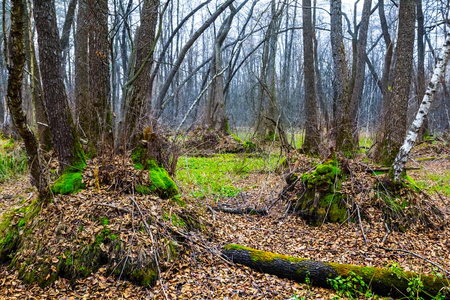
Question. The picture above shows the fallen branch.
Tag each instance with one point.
(241, 211)
(381, 281)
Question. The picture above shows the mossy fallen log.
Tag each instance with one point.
(384, 282)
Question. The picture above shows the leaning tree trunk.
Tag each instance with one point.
(138, 94)
(422, 113)
(43, 130)
(64, 135)
(14, 98)
(381, 281)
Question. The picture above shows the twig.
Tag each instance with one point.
(360, 224)
(113, 206)
(440, 196)
(417, 255)
(386, 235)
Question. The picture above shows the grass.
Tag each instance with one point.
(218, 176)
(439, 182)
(13, 159)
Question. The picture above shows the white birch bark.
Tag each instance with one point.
(422, 113)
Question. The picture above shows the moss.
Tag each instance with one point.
(324, 175)
(10, 228)
(161, 183)
(322, 200)
(175, 219)
(263, 256)
(71, 180)
(145, 277)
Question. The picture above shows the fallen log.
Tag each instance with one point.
(384, 282)
(241, 211)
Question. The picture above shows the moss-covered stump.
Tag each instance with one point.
(385, 282)
(71, 180)
(160, 181)
(78, 234)
(320, 199)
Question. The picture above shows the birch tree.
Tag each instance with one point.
(422, 113)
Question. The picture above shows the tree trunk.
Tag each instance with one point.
(421, 63)
(43, 129)
(100, 133)
(342, 132)
(64, 135)
(139, 95)
(215, 117)
(68, 21)
(382, 281)
(395, 117)
(422, 113)
(82, 106)
(360, 71)
(15, 98)
(312, 137)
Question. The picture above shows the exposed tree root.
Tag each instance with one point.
(385, 282)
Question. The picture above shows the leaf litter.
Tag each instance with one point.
(200, 272)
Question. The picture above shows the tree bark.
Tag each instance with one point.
(395, 117)
(100, 133)
(342, 131)
(68, 21)
(421, 63)
(138, 99)
(215, 117)
(43, 129)
(422, 113)
(312, 136)
(64, 135)
(360, 71)
(382, 281)
(14, 98)
(82, 106)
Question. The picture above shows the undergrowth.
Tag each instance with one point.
(218, 176)
(436, 182)
(13, 159)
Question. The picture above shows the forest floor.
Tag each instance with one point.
(202, 274)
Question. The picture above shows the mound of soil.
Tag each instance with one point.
(341, 190)
(107, 225)
(205, 142)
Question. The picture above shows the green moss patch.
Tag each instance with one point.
(68, 183)
(321, 200)
(161, 183)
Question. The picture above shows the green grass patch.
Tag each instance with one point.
(435, 182)
(218, 175)
(13, 159)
